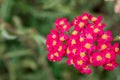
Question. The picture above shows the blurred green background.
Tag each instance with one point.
(24, 25)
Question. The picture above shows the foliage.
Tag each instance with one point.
(24, 25)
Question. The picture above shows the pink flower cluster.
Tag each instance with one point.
(84, 42)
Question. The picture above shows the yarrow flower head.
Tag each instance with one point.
(84, 42)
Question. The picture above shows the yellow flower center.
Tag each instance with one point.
(81, 24)
(116, 49)
(64, 27)
(87, 45)
(99, 24)
(74, 51)
(54, 36)
(84, 18)
(74, 32)
(81, 39)
(80, 62)
(73, 42)
(60, 48)
(56, 54)
(54, 43)
(109, 64)
(61, 22)
(103, 47)
(62, 38)
(82, 54)
(108, 55)
(68, 51)
(99, 58)
(93, 19)
(96, 30)
(104, 36)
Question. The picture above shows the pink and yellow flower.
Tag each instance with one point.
(62, 24)
(86, 44)
(97, 59)
(110, 66)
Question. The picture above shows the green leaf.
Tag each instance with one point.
(17, 53)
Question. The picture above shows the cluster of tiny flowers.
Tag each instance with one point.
(84, 42)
